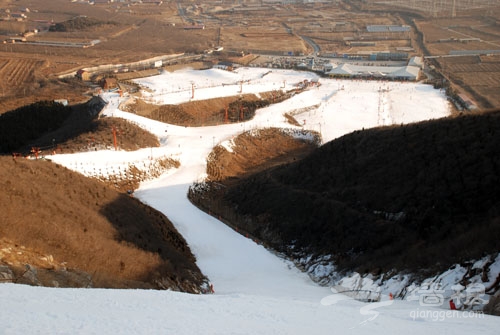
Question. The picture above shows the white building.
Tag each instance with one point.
(408, 72)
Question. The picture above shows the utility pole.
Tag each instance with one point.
(115, 143)
(36, 151)
(218, 38)
(241, 113)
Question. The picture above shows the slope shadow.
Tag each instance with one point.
(45, 124)
(78, 122)
(419, 196)
(149, 230)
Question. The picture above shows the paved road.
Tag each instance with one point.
(313, 44)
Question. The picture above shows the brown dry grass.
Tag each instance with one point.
(193, 113)
(99, 135)
(255, 151)
(100, 236)
(262, 38)
(36, 125)
(88, 226)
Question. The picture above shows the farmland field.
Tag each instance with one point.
(123, 32)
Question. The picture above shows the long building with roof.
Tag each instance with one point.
(346, 70)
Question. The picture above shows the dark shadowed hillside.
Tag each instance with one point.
(51, 126)
(421, 196)
(25, 124)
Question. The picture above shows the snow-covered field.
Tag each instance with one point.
(255, 291)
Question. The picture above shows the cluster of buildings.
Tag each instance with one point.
(348, 67)
(20, 15)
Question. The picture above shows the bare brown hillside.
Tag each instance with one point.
(99, 135)
(58, 220)
(254, 151)
(208, 112)
(52, 127)
(60, 228)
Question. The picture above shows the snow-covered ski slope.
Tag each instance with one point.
(255, 291)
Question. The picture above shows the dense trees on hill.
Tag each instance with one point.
(78, 23)
(418, 196)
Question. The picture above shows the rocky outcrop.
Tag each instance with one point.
(20, 265)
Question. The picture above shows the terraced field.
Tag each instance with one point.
(481, 75)
(16, 74)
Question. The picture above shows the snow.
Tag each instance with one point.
(256, 292)
(98, 311)
(228, 145)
